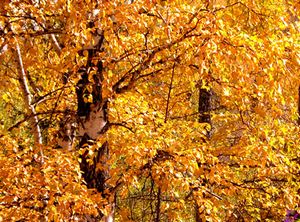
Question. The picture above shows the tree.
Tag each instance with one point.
(149, 110)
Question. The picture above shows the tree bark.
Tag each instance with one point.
(92, 123)
(204, 109)
(204, 106)
(157, 212)
(91, 120)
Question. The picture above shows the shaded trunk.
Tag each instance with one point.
(157, 213)
(92, 123)
(204, 106)
(204, 110)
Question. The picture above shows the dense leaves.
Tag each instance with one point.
(153, 110)
(33, 191)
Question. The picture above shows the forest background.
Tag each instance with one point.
(149, 110)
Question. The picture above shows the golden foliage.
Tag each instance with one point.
(156, 56)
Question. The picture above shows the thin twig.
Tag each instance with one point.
(123, 125)
(56, 44)
(169, 93)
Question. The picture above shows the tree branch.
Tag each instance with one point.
(28, 100)
(169, 93)
(131, 76)
(56, 44)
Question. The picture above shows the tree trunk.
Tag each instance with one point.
(92, 115)
(92, 123)
(204, 109)
(204, 106)
(91, 119)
